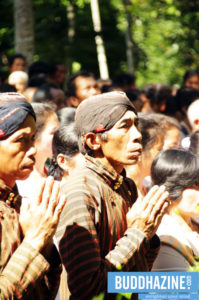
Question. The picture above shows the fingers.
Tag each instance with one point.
(48, 188)
(59, 207)
(39, 192)
(149, 196)
(54, 198)
(156, 195)
(160, 207)
(159, 216)
(25, 205)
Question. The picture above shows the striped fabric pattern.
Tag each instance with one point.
(24, 272)
(92, 233)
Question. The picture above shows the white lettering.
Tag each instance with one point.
(118, 282)
(163, 282)
(174, 282)
(133, 282)
(149, 282)
(126, 282)
(141, 282)
(156, 284)
(182, 282)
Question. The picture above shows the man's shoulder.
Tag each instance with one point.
(83, 179)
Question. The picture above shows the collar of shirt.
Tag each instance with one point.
(10, 196)
(110, 176)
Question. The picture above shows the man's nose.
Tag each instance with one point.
(136, 134)
(32, 151)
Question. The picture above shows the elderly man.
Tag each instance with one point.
(29, 264)
(98, 230)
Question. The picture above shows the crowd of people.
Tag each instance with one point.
(95, 176)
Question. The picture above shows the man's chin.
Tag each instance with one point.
(25, 174)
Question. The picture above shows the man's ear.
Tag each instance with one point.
(92, 141)
(73, 101)
(63, 163)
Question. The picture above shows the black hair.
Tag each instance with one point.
(53, 67)
(65, 141)
(15, 56)
(66, 115)
(124, 79)
(43, 92)
(5, 88)
(134, 97)
(38, 69)
(176, 170)
(194, 143)
(71, 86)
(185, 96)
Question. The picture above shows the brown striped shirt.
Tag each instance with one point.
(24, 272)
(92, 233)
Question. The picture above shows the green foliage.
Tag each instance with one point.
(164, 33)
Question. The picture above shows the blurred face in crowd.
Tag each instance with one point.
(43, 142)
(18, 153)
(86, 87)
(60, 74)
(18, 65)
(149, 155)
(192, 82)
(172, 138)
(58, 98)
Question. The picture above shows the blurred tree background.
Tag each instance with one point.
(164, 36)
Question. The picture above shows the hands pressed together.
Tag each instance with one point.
(147, 212)
(40, 215)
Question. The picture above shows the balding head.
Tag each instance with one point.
(193, 115)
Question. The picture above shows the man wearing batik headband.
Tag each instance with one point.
(30, 264)
(99, 229)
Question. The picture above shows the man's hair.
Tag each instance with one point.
(17, 76)
(66, 115)
(71, 85)
(15, 56)
(38, 69)
(176, 170)
(43, 93)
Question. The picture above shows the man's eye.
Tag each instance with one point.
(21, 139)
(125, 125)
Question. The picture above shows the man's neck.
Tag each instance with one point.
(9, 183)
(117, 167)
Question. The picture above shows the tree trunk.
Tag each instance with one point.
(128, 37)
(101, 55)
(70, 12)
(24, 29)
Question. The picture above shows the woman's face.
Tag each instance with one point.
(149, 155)
(44, 141)
(172, 138)
(189, 203)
